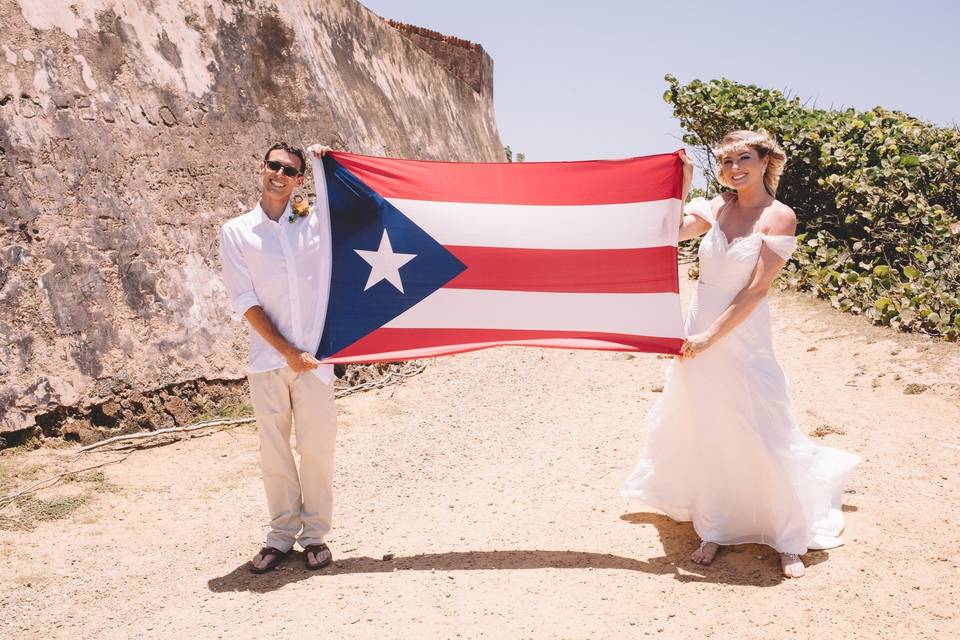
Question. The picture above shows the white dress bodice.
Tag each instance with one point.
(730, 265)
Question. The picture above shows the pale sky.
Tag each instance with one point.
(584, 79)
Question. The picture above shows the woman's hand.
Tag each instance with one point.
(695, 344)
(318, 150)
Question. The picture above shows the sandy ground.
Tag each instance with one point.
(492, 477)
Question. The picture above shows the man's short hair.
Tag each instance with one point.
(289, 148)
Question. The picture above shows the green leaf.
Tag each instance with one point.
(882, 303)
(909, 161)
(911, 272)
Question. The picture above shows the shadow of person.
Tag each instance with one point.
(678, 539)
(292, 570)
(744, 564)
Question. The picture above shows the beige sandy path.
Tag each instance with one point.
(493, 479)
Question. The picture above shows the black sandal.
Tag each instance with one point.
(317, 549)
(278, 557)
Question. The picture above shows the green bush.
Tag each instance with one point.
(877, 196)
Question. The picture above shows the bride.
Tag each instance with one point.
(724, 448)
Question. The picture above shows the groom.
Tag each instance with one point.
(276, 267)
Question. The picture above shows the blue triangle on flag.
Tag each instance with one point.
(358, 218)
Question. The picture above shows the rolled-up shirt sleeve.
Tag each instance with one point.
(236, 276)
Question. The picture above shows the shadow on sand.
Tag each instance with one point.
(753, 565)
(738, 565)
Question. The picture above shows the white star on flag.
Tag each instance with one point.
(385, 264)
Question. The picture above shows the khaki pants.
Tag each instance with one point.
(305, 501)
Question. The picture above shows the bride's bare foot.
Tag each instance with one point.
(792, 565)
(705, 553)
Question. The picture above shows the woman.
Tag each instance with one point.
(724, 448)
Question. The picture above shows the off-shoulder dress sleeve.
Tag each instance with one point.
(700, 207)
(783, 246)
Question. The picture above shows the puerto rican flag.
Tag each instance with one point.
(435, 258)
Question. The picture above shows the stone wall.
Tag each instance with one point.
(464, 59)
(130, 130)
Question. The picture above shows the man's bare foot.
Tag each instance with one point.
(705, 553)
(792, 565)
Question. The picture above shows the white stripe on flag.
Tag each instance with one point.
(603, 226)
(644, 314)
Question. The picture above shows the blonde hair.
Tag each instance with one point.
(765, 146)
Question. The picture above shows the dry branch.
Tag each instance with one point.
(160, 432)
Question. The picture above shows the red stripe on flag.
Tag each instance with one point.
(642, 179)
(387, 345)
(648, 270)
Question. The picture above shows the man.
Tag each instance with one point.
(276, 267)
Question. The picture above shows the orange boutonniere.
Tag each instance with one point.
(300, 209)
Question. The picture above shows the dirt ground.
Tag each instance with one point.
(492, 478)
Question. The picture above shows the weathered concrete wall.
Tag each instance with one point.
(130, 130)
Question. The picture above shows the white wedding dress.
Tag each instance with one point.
(724, 449)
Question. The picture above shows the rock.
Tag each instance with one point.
(79, 431)
(106, 415)
(177, 408)
(827, 429)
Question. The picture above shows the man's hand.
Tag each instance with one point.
(298, 359)
(318, 150)
(301, 361)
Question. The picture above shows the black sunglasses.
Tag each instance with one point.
(288, 171)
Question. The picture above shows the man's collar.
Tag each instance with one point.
(261, 216)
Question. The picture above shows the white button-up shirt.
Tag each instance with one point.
(284, 267)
